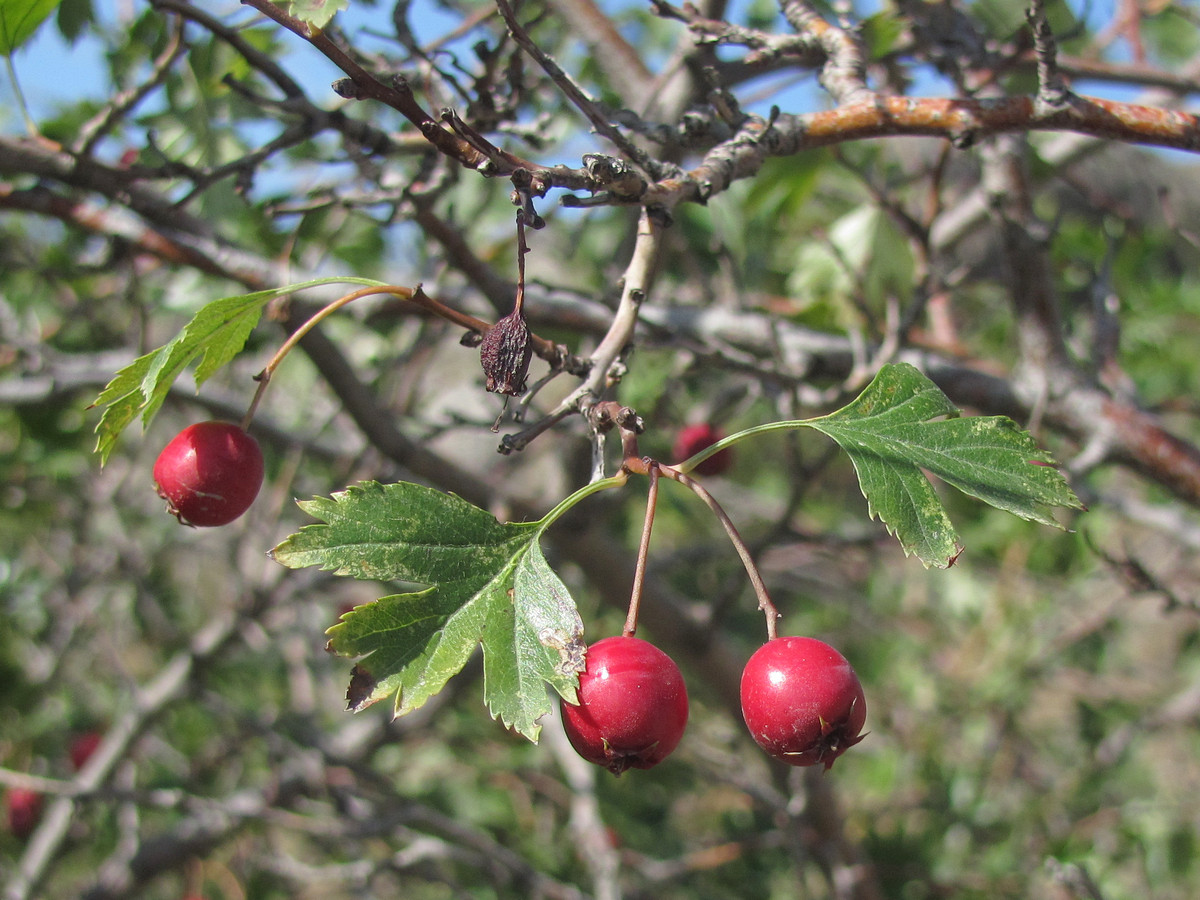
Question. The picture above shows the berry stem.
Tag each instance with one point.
(760, 589)
(639, 572)
(414, 295)
(522, 249)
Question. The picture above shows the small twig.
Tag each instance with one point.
(1052, 88)
(765, 47)
(414, 295)
(844, 74)
(575, 93)
(635, 288)
(363, 85)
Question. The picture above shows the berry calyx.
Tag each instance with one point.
(802, 701)
(209, 473)
(633, 706)
(24, 809)
(694, 438)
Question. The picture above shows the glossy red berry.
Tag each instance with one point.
(694, 438)
(24, 810)
(82, 747)
(802, 701)
(633, 706)
(209, 473)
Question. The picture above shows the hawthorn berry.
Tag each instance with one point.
(82, 747)
(802, 701)
(24, 810)
(633, 706)
(694, 438)
(209, 473)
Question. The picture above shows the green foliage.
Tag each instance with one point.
(487, 583)
(317, 13)
(1031, 708)
(902, 423)
(19, 19)
(216, 334)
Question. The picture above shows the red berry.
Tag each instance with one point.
(24, 807)
(633, 706)
(694, 438)
(209, 474)
(82, 747)
(802, 701)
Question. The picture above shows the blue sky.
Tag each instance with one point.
(50, 71)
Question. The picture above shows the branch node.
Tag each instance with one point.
(1053, 91)
(348, 89)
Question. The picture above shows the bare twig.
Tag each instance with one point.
(575, 93)
(1052, 89)
(844, 73)
(397, 95)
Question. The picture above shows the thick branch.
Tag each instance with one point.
(960, 120)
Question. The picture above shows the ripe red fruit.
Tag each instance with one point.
(24, 808)
(802, 701)
(633, 706)
(82, 747)
(694, 438)
(209, 473)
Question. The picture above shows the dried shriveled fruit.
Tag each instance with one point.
(505, 354)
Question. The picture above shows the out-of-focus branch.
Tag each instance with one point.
(622, 63)
(798, 355)
(396, 95)
(149, 702)
(123, 103)
(574, 92)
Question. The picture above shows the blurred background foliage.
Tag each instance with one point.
(1033, 710)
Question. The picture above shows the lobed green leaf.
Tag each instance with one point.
(215, 335)
(902, 426)
(484, 582)
(19, 20)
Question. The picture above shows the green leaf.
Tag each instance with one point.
(216, 334)
(902, 424)
(317, 13)
(882, 32)
(484, 582)
(19, 19)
